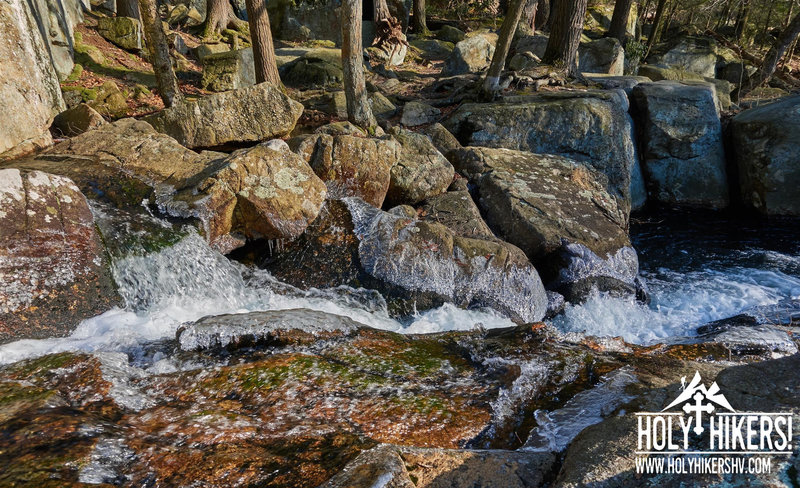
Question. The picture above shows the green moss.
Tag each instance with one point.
(36, 367)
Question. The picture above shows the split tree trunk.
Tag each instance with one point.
(619, 20)
(220, 16)
(159, 53)
(261, 35)
(491, 84)
(565, 35)
(355, 90)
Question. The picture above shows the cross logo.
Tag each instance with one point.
(698, 408)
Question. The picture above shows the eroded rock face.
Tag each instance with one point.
(125, 32)
(681, 144)
(557, 211)
(53, 270)
(350, 166)
(29, 90)
(421, 171)
(228, 70)
(766, 150)
(593, 127)
(471, 55)
(253, 114)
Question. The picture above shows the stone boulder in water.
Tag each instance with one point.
(558, 211)
(593, 127)
(766, 145)
(350, 166)
(53, 270)
(683, 157)
(415, 263)
(256, 113)
(261, 192)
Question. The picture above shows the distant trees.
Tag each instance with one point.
(786, 39)
(565, 34)
(159, 53)
(355, 90)
(261, 36)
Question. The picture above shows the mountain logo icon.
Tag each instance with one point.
(697, 399)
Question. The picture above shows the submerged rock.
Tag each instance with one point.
(53, 269)
(558, 211)
(593, 127)
(421, 171)
(681, 144)
(350, 166)
(766, 146)
(253, 114)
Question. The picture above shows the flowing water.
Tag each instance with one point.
(696, 270)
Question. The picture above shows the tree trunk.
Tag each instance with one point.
(741, 19)
(355, 90)
(381, 11)
(565, 35)
(128, 8)
(765, 30)
(419, 23)
(529, 13)
(491, 84)
(619, 20)
(542, 14)
(261, 35)
(552, 14)
(656, 24)
(159, 53)
(776, 52)
(220, 16)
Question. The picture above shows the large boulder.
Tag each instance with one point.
(252, 114)
(471, 55)
(415, 263)
(701, 55)
(350, 166)
(261, 192)
(602, 56)
(53, 270)
(29, 88)
(77, 120)
(683, 157)
(559, 213)
(421, 171)
(592, 126)
(318, 68)
(125, 32)
(229, 70)
(766, 146)
(56, 20)
(723, 88)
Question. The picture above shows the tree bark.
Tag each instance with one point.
(381, 11)
(619, 20)
(128, 8)
(419, 23)
(491, 84)
(529, 13)
(542, 14)
(220, 16)
(552, 13)
(776, 52)
(159, 53)
(565, 35)
(741, 19)
(355, 90)
(261, 35)
(656, 24)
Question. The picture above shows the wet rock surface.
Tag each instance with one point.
(53, 268)
(420, 172)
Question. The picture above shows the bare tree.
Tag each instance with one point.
(776, 52)
(220, 16)
(159, 53)
(491, 84)
(355, 90)
(261, 35)
(565, 35)
(419, 23)
(619, 20)
(656, 24)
